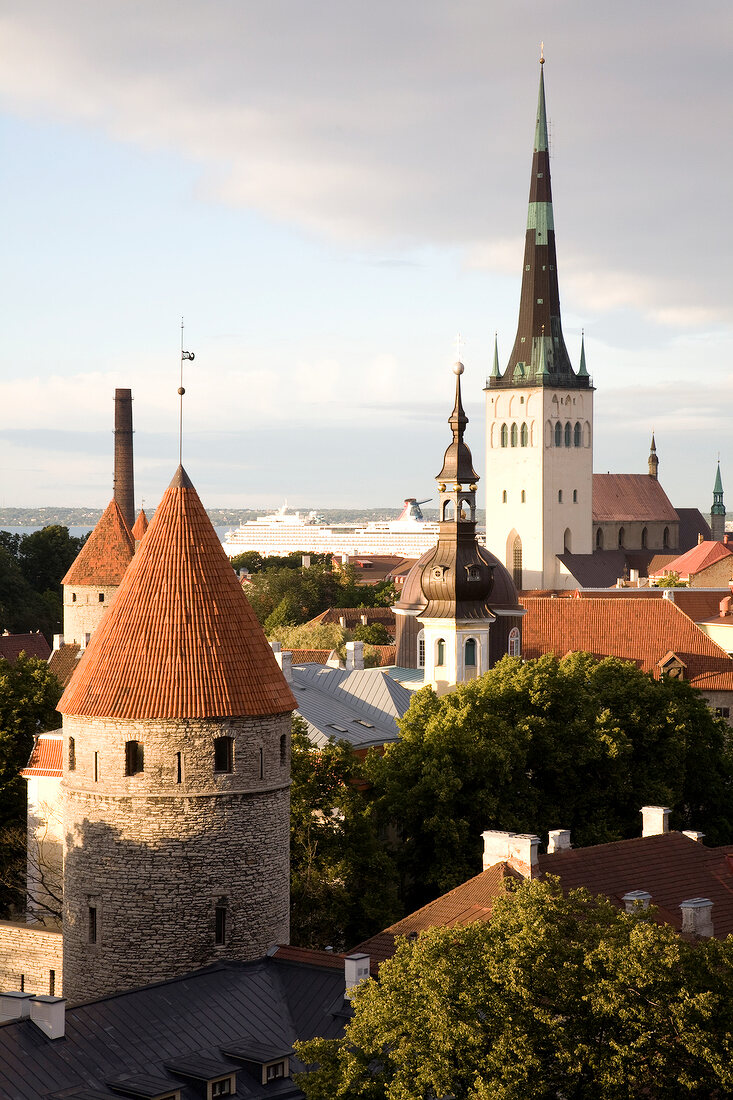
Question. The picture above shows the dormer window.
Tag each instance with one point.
(439, 571)
(673, 666)
(223, 1087)
(473, 573)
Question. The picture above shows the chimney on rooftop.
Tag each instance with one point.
(49, 1015)
(655, 820)
(58, 641)
(356, 970)
(519, 850)
(693, 834)
(124, 481)
(636, 897)
(14, 1006)
(354, 656)
(558, 840)
(697, 917)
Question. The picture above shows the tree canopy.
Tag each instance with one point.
(574, 743)
(556, 996)
(31, 569)
(29, 692)
(284, 597)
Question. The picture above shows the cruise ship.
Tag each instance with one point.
(284, 532)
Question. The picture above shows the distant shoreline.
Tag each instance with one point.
(220, 517)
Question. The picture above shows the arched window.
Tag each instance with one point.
(440, 652)
(621, 536)
(470, 653)
(567, 541)
(575, 496)
(514, 435)
(421, 649)
(568, 434)
(644, 537)
(524, 435)
(559, 496)
(514, 648)
(599, 539)
(223, 754)
(558, 434)
(665, 538)
(503, 496)
(504, 436)
(577, 434)
(448, 511)
(133, 757)
(524, 496)
(517, 562)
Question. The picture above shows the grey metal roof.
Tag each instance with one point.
(361, 706)
(268, 1003)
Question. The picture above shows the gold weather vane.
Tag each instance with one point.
(184, 355)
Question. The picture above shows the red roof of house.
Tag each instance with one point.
(699, 604)
(638, 630)
(46, 756)
(353, 616)
(180, 639)
(697, 559)
(33, 645)
(106, 554)
(626, 497)
(310, 656)
(63, 662)
(140, 525)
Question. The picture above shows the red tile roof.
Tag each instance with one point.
(638, 630)
(63, 662)
(387, 654)
(625, 497)
(697, 559)
(699, 604)
(352, 616)
(140, 525)
(106, 554)
(180, 639)
(33, 645)
(310, 656)
(46, 757)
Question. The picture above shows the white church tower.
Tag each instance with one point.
(539, 415)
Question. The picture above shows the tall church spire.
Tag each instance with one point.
(653, 460)
(717, 512)
(539, 355)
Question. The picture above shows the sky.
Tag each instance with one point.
(327, 193)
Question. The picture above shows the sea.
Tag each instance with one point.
(77, 531)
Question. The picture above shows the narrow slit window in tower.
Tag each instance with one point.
(262, 763)
(51, 983)
(92, 926)
(283, 750)
(558, 434)
(517, 562)
(223, 754)
(568, 434)
(644, 538)
(440, 652)
(665, 537)
(599, 539)
(96, 767)
(524, 435)
(514, 435)
(575, 496)
(559, 496)
(504, 436)
(101, 597)
(503, 496)
(621, 535)
(133, 757)
(421, 649)
(220, 922)
(523, 497)
(72, 754)
(179, 767)
(576, 434)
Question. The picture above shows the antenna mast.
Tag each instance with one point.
(184, 355)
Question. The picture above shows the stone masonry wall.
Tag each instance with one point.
(28, 955)
(83, 609)
(153, 857)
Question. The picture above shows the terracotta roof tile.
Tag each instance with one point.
(618, 497)
(638, 630)
(33, 645)
(310, 656)
(46, 757)
(64, 662)
(353, 616)
(180, 639)
(697, 559)
(140, 525)
(106, 554)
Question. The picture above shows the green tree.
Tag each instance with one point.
(46, 555)
(373, 634)
(249, 560)
(29, 692)
(342, 882)
(671, 580)
(556, 996)
(577, 743)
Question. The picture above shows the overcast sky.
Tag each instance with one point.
(328, 192)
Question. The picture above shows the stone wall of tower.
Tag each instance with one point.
(152, 855)
(535, 490)
(83, 609)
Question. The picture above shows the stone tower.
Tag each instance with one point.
(124, 483)
(96, 574)
(717, 512)
(653, 460)
(176, 770)
(539, 414)
(458, 611)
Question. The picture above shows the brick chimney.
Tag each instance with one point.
(519, 850)
(697, 917)
(655, 820)
(124, 481)
(558, 840)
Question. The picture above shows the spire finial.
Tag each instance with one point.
(542, 53)
(184, 355)
(459, 343)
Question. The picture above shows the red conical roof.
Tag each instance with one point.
(140, 525)
(106, 554)
(180, 639)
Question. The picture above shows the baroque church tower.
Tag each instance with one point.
(717, 512)
(539, 414)
(176, 770)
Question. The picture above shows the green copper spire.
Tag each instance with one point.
(718, 488)
(540, 133)
(582, 369)
(717, 512)
(495, 373)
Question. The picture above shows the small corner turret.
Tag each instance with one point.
(653, 461)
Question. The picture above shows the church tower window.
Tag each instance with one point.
(503, 497)
(220, 922)
(524, 435)
(559, 496)
(665, 538)
(523, 497)
(575, 496)
(72, 754)
(568, 434)
(440, 652)
(515, 643)
(644, 538)
(514, 435)
(558, 434)
(621, 536)
(421, 649)
(517, 562)
(504, 436)
(470, 653)
(577, 434)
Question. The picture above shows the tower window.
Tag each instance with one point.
(644, 537)
(575, 496)
(51, 982)
(665, 538)
(133, 757)
(179, 767)
(92, 924)
(421, 649)
(262, 763)
(101, 597)
(223, 754)
(576, 434)
(283, 750)
(504, 436)
(514, 435)
(73, 597)
(621, 536)
(470, 653)
(503, 497)
(96, 767)
(568, 434)
(514, 647)
(599, 539)
(558, 434)
(523, 497)
(72, 754)
(220, 922)
(559, 496)
(440, 652)
(517, 562)
(524, 435)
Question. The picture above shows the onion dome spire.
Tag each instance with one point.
(539, 355)
(653, 460)
(457, 461)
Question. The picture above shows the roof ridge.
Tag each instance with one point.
(105, 555)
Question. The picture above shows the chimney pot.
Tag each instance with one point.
(49, 1015)
(356, 970)
(655, 820)
(354, 656)
(636, 897)
(558, 840)
(697, 917)
(496, 847)
(523, 854)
